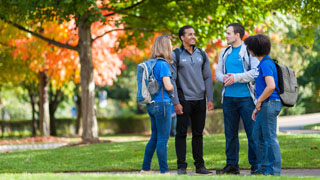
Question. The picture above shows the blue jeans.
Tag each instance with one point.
(265, 138)
(233, 109)
(160, 115)
(173, 130)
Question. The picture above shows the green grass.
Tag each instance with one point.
(298, 151)
(313, 127)
(49, 176)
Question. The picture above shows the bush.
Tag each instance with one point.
(139, 123)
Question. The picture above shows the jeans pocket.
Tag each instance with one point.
(155, 108)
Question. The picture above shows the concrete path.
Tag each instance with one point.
(4, 148)
(284, 172)
(295, 124)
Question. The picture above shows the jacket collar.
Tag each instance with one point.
(183, 48)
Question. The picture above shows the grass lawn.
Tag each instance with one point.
(49, 176)
(298, 151)
(313, 127)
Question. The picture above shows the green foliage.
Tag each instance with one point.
(217, 88)
(297, 151)
(123, 86)
(15, 98)
(128, 123)
(209, 18)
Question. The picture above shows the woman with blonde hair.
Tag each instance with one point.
(160, 109)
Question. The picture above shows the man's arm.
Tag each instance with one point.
(207, 77)
(249, 75)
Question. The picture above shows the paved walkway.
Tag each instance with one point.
(4, 148)
(295, 124)
(284, 172)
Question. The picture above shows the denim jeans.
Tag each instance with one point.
(233, 109)
(265, 138)
(173, 130)
(160, 115)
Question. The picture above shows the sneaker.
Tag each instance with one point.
(181, 171)
(228, 169)
(145, 172)
(202, 170)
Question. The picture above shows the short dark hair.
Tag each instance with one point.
(237, 28)
(181, 30)
(259, 44)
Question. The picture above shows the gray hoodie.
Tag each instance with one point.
(194, 80)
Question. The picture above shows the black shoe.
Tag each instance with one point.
(228, 169)
(255, 171)
(203, 170)
(181, 171)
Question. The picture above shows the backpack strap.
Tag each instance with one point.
(179, 89)
(177, 53)
(204, 58)
(153, 65)
(249, 59)
(225, 51)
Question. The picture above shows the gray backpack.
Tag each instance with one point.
(288, 85)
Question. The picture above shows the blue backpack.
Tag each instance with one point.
(147, 84)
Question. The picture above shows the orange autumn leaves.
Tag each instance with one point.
(63, 65)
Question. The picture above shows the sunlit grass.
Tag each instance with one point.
(297, 151)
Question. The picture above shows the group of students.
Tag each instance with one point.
(249, 78)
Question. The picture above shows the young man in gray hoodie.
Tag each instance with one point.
(193, 91)
(236, 70)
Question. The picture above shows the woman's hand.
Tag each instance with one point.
(258, 105)
(256, 109)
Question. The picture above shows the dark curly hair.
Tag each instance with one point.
(258, 44)
(181, 30)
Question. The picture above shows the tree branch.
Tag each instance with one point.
(4, 44)
(110, 32)
(124, 29)
(50, 41)
(127, 8)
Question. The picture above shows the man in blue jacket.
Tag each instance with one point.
(236, 70)
(193, 91)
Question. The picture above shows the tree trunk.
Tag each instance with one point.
(33, 106)
(33, 92)
(44, 105)
(55, 100)
(89, 120)
(53, 130)
(79, 114)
